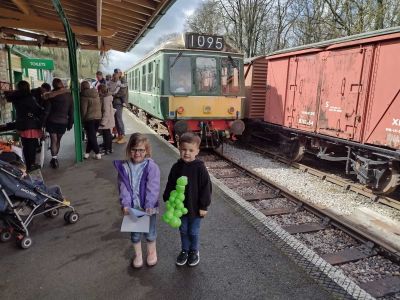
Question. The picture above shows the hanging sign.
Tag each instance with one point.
(204, 42)
(37, 63)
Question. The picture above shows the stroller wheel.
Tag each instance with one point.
(53, 213)
(66, 216)
(5, 236)
(73, 217)
(25, 243)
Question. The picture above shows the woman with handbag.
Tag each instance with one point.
(28, 121)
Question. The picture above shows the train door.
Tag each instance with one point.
(343, 91)
(301, 104)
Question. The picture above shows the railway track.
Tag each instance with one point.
(369, 261)
(345, 183)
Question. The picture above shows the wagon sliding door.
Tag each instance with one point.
(301, 104)
(343, 92)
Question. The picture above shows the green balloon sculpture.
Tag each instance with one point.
(174, 205)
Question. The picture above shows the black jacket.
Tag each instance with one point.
(60, 109)
(28, 111)
(199, 188)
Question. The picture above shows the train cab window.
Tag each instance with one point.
(144, 78)
(149, 76)
(180, 75)
(230, 76)
(206, 74)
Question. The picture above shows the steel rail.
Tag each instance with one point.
(329, 217)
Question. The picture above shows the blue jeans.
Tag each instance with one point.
(119, 123)
(190, 231)
(151, 236)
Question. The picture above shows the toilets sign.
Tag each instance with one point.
(37, 63)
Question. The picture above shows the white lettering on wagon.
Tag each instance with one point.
(394, 130)
(308, 113)
(306, 122)
(396, 122)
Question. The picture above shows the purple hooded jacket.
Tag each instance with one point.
(149, 188)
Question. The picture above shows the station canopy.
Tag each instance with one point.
(98, 24)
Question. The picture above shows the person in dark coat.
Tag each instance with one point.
(28, 121)
(40, 91)
(197, 196)
(59, 117)
(91, 117)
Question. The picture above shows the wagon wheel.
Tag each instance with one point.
(297, 150)
(389, 182)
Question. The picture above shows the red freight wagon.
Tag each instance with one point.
(339, 99)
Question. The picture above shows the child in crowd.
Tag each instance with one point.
(54, 190)
(197, 196)
(139, 187)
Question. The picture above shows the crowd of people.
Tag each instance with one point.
(101, 106)
(49, 110)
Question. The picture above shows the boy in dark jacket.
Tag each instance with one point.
(197, 196)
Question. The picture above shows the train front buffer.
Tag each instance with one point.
(214, 117)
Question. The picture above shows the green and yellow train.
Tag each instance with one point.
(175, 89)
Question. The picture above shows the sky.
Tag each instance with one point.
(172, 21)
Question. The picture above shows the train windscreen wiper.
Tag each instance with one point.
(176, 59)
(232, 61)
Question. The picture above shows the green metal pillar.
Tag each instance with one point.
(10, 75)
(73, 68)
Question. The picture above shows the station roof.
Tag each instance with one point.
(97, 24)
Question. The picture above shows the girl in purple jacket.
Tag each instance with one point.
(139, 187)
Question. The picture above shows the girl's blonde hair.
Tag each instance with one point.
(136, 139)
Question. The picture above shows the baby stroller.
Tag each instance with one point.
(21, 200)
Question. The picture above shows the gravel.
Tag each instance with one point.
(273, 203)
(370, 269)
(327, 241)
(309, 187)
(297, 218)
(246, 190)
(238, 182)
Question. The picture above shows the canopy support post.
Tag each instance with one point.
(71, 41)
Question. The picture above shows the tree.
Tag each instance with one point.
(207, 19)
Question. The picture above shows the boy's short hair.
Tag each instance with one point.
(99, 73)
(190, 138)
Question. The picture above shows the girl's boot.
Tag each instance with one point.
(151, 253)
(138, 260)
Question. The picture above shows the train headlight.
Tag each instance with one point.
(180, 110)
(207, 109)
(231, 110)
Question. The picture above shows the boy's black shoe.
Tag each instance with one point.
(194, 258)
(182, 258)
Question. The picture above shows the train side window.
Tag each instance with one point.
(136, 80)
(149, 76)
(206, 74)
(180, 75)
(230, 76)
(144, 78)
(157, 74)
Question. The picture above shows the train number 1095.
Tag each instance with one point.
(205, 42)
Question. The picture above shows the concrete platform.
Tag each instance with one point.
(90, 260)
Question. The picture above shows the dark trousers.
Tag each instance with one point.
(91, 127)
(119, 123)
(29, 147)
(107, 139)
